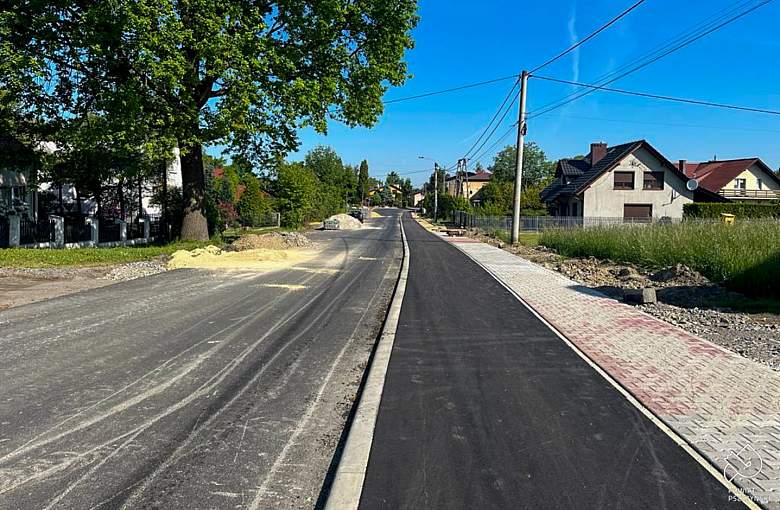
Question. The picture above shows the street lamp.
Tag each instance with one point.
(435, 186)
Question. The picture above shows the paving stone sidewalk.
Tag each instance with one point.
(725, 406)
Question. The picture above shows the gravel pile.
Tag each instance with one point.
(133, 270)
(271, 241)
(346, 222)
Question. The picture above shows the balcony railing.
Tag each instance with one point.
(759, 194)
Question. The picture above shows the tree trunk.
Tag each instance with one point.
(193, 225)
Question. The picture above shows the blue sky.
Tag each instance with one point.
(459, 42)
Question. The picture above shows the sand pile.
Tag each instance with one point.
(271, 241)
(212, 257)
(346, 222)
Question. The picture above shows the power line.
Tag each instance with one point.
(661, 97)
(478, 159)
(589, 37)
(509, 94)
(718, 16)
(476, 147)
(668, 124)
(503, 116)
(654, 59)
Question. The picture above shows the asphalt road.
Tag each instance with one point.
(192, 389)
(484, 407)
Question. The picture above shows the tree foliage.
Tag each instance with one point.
(296, 192)
(537, 169)
(150, 75)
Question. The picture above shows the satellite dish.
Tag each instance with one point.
(692, 185)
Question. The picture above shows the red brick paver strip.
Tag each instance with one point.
(725, 406)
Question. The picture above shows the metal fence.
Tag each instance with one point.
(77, 230)
(135, 229)
(108, 230)
(539, 223)
(32, 231)
(5, 232)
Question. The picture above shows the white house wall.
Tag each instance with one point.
(602, 200)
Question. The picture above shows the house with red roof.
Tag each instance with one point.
(745, 179)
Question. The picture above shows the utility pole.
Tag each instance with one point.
(521, 130)
(435, 191)
(466, 173)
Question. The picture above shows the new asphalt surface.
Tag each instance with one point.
(485, 407)
(192, 389)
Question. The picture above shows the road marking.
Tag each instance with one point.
(734, 490)
(351, 472)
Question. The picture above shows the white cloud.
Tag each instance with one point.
(573, 39)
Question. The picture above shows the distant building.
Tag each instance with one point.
(746, 179)
(466, 185)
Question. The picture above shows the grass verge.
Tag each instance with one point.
(744, 257)
(84, 257)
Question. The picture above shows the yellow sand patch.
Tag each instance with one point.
(283, 286)
(315, 270)
(375, 214)
(211, 257)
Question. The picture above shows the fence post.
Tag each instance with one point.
(147, 228)
(59, 230)
(122, 230)
(279, 219)
(94, 223)
(14, 230)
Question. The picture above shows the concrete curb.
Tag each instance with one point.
(351, 472)
(702, 460)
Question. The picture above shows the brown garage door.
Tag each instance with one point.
(637, 212)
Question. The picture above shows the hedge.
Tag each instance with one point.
(738, 209)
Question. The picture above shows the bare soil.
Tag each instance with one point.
(23, 286)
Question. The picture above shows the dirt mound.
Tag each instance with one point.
(271, 241)
(212, 257)
(346, 222)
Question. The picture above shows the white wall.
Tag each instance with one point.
(602, 200)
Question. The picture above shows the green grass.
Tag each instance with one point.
(743, 257)
(526, 238)
(22, 257)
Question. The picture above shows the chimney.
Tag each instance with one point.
(681, 165)
(597, 152)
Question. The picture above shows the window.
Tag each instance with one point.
(574, 209)
(624, 180)
(653, 181)
(740, 183)
(637, 212)
(760, 184)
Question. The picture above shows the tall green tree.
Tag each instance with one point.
(393, 179)
(537, 169)
(363, 181)
(296, 190)
(189, 73)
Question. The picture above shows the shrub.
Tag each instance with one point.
(738, 209)
(744, 257)
(253, 206)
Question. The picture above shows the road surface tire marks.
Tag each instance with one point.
(238, 374)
